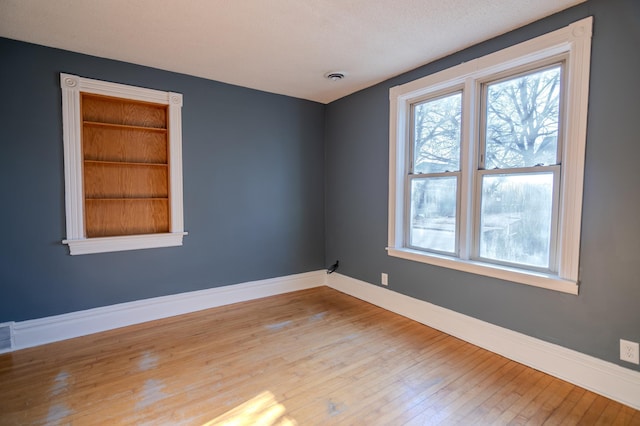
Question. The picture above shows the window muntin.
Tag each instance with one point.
(565, 51)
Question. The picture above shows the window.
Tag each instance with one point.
(123, 171)
(487, 162)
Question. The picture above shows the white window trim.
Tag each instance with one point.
(574, 41)
(72, 86)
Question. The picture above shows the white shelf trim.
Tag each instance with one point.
(72, 86)
(122, 243)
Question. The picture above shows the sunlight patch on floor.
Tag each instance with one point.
(263, 409)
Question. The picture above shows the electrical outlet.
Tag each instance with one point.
(384, 279)
(629, 351)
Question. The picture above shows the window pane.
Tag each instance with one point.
(522, 120)
(437, 135)
(515, 218)
(433, 213)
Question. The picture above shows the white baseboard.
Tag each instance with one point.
(66, 326)
(602, 377)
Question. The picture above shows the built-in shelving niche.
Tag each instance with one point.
(125, 166)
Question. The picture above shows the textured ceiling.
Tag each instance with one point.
(279, 46)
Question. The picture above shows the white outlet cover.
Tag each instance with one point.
(384, 279)
(629, 351)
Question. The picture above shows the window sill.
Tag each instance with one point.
(548, 281)
(127, 242)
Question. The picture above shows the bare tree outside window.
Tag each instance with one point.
(437, 134)
(522, 120)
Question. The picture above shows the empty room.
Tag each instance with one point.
(309, 212)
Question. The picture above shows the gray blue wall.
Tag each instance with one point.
(253, 189)
(608, 306)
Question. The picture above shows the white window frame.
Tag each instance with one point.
(72, 86)
(573, 44)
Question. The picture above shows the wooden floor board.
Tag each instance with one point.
(315, 357)
(402, 371)
(504, 396)
(591, 416)
(609, 414)
(476, 396)
(419, 385)
(561, 411)
(399, 380)
(446, 401)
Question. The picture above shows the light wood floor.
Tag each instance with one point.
(312, 357)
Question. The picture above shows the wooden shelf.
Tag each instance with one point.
(123, 180)
(113, 217)
(124, 126)
(110, 110)
(127, 198)
(126, 163)
(124, 143)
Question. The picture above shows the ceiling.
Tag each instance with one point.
(278, 46)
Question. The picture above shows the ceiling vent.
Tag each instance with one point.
(334, 76)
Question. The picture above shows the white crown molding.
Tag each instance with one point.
(39, 331)
(602, 377)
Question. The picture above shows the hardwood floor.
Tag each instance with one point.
(312, 357)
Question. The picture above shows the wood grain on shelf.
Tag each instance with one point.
(123, 126)
(126, 176)
(122, 180)
(123, 111)
(113, 217)
(118, 144)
